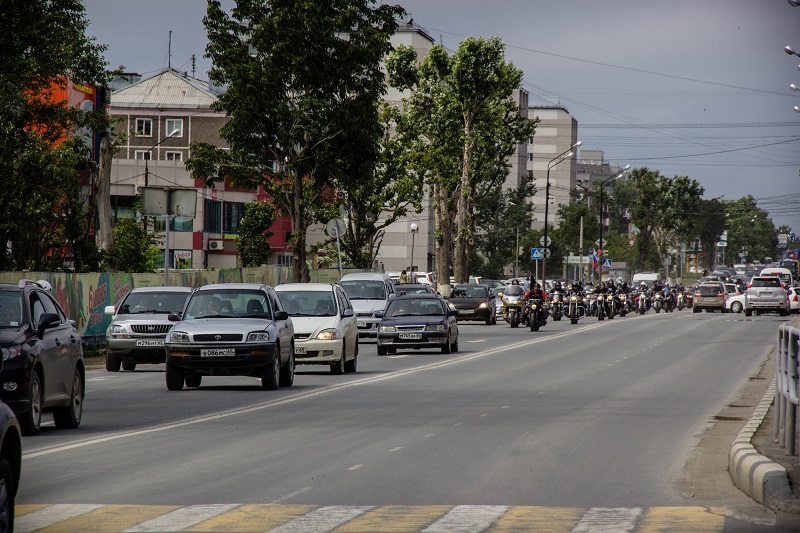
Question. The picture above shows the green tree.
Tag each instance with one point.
(41, 212)
(252, 241)
(750, 230)
(136, 248)
(297, 74)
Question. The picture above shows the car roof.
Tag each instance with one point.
(366, 275)
(161, 289)
(426, 296)
(233, 286)
(304, 287)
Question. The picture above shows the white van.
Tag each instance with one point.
(369, 292)
(784, 273)
(647, 277)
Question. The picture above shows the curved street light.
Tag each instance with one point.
(602, 218)
(791, 51)
(563, 156)
(414, 228)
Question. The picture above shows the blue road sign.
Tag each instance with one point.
(537, 254)
(607, 263)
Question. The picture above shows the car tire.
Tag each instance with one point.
(31, 421)
(447, 347)
(194, 380)
(69, 417)
(352, 365)
(736, 307)
(338, 367)
(112, 363)
(381, 350)
(494, 319)
(270, 374)
(128, 366)
(454, 346)
(391, 351)
(696, 309)
(287, 371)
(175, 377)
(748, 313)
(7, 494)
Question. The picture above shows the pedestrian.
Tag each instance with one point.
(403, 277)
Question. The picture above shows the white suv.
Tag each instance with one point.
(764, 294)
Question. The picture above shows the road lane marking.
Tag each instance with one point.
(183, 518)
(51, 515)
(355, 467)
(467, 519)
(32, 454)
(608, 519)
(322, 520)
(396, 449)
(291, 495)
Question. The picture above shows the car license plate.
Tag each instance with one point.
(411, 336)
(300, 350)
(159, 342)
(361, 324)
(218, 352)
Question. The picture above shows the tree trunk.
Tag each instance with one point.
(460, 260)
(105, 231)
(300, 272)
(443, 240)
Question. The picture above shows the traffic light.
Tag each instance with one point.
(599, 253)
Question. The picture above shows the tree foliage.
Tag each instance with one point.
(136, 248)
(298, 75)
(42, 215)
(252, 241)
(750, 230)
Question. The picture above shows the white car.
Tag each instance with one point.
(735, 303)
(794, 300)
(325, 329)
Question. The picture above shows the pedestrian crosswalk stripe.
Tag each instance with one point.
(284, 518)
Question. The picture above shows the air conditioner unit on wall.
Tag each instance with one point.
(215, 245)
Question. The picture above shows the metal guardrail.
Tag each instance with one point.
(786, 388)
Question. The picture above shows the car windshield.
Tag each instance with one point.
(228, 303)
(364, 289)
(153, 302)
(766, 282)
(783, 276)
(308, 303)
(10, 309)
(414, 307)
(471, 291)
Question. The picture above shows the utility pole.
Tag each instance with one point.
(580, 251)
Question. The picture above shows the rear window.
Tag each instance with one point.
(766, 282)
(708, 290)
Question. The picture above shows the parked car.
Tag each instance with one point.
(766, 293)
(231, 329)
(325, 331)
(417, 321)
(10, 465)
(473, 302)
(43, 368)
(413, 288)
(794, 300)
(711, 296)
(140, 324)
(369, 292)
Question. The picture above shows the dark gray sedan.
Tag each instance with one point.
(231, 329)
(417, 321)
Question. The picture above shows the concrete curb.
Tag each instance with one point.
(754, 474)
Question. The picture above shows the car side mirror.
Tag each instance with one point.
(379, 314)
(452, 312)
(47, 320)
(174, 317)
(392, 296)
(110, 310)
(348, 313)
(281, 315)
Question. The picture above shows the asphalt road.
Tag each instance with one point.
(571, 428)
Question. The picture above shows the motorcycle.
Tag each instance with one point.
(641, 303)
(689, 297)
(556, 306)
(658, 302)
(576, 308)
(537, 313)
(513, 308)
(623, 304)
(611, 306)
(680, 301)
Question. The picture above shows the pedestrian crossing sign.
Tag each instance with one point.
(607, 263)
(537, 254)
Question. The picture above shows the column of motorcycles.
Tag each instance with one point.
(575, 302)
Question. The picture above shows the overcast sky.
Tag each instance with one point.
(688, 87)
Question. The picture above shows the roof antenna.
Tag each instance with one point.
(169, 51)
(194, 65)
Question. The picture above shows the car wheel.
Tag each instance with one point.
(32, 420)
(6, 496)
(112, 363)
(287, 371)
(194, 380)
(175, 377)
(494, 319)
(129, 366)
(696, 309)
(352, 365)
(381, 350)
(338, 367)
(736, 307)
(391, 351)
(270, 374)
(748, 313)
(69, 417)
(447, 347)
(454, 346)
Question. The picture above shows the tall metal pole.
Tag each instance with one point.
(338, 249)
(516, 255)
(580, 251)
(563, 156)
(166, 251)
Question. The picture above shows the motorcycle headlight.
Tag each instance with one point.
(178, 336)
(533, 306)
(328, 334)
(386, 329)
(11, 352)
(258, 336)
(573, 298)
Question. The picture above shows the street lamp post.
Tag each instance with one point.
(563, 156)
(414, 229)
(602, 186)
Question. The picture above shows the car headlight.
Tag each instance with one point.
(11, 352)
(328, 334)
(386, 329)
(435, 327)
(451, 305)
(178, 336)
(118, 330)
(483, 305)
(258, 336)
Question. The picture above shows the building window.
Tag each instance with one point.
(142, 155)
(213, 216)
(175, 124)
(530, 139)
(144, 127)
(174, 156)
(530, 157)
(232, 215)
(122, 207)
(176, 224)
(285, 260)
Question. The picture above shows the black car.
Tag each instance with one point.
(10, 465)
(417, 321)
(43, 366)
(473, 302)
(413, 288)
